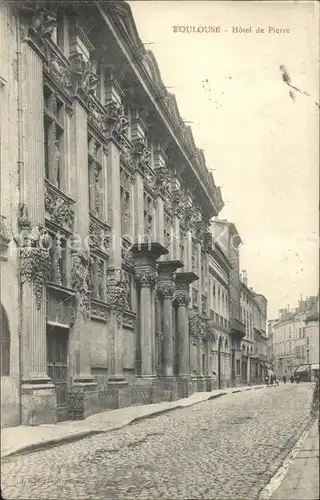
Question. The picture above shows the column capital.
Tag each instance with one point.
(146, 277)
(182, 298)
(166, 290)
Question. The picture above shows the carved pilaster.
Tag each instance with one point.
(36, 261)
(81, 279)
(117, 292)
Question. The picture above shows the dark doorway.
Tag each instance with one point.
(57, 367)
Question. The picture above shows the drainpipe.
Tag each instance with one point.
(21, 187)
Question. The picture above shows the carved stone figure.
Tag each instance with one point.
(43, 22)
(81, 279)
(121, 126)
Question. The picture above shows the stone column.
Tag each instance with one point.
(166, 289)
(144, 257)
(248, 370)
(38, 399)
(146, 280)
(182, 299)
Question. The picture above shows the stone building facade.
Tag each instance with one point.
(254, 344)
(105, 230)
(291, 339)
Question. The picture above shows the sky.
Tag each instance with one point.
(261, 145)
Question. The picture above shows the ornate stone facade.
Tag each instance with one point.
(99, 170)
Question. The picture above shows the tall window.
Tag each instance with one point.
(54, 114)
(95, 176)
(125, 187)
(148, 216)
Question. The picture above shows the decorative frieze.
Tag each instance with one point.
(35, 260)
(81, 279)
(59, 207)
(99, 233)
(99, 310)
(57, 67)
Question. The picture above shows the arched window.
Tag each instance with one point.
(5, 342)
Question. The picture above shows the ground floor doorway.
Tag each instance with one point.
(57, 366)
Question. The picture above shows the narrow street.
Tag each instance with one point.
(228, 448)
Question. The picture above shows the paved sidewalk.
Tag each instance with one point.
(302, 479)
(20, 439)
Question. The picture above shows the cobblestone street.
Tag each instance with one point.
(225, 448)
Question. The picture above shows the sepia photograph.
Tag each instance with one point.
(159, 249)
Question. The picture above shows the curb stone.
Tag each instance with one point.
(57, 441)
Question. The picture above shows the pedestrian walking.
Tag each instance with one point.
(284, 379)
(276, 381)
(292, 379)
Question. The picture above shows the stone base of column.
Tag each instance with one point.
(201, 384)
(83, 400)
(120, 386)
(209, 384)
(185, 387)
(169, 388)
(38, 404)
(142, 391)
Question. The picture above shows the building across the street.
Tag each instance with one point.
(296, 337)
(115, 290)
(254, 345)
